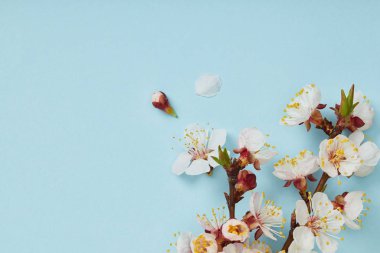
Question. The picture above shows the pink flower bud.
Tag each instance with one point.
(246, 181)
(161, 101)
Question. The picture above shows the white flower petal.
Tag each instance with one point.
(210, 159)
(252, 139)
(353, 204)
(322, 206)
(217, 138)
(198, 167)
(330, 169)
(336, 221)
(370, 153)
(183, 243)
(363, 110)
(348, 168)
(255, 202)
(295, 248)
(324, 162)
(208, 85)
(364, 171)
(304, 238)
(302, 213)
(181, 163)
(326, 244)
(357, 137)
(351, 224)
(233, 248)
(265, 155)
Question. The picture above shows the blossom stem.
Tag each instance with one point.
(338, 129)
(231, 201)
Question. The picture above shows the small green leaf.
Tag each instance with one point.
(216, 160)
(350, 98)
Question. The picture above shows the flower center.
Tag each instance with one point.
(314, 223)
(336, 157)
(201, 244)
(237, 229)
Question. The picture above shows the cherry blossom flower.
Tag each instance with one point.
(235, 230)
(204, 243)
(296, 170)
(200, 148)
(183, 243)
(339, 156)
(208, 85)
(368, 152)
(161, 101)
(304, 108)
(322, 224)
(266, 219)
(363, 111)
(351, 206)
(253, 149)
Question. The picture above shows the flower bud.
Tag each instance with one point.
(161, 101)
(246, 181)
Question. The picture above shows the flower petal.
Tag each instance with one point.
(208, 85)
(364, 171)
(351, 224)
(198, 167)
(353, 204)
(217, 138)
(370, 153)
(302, 213)
(322, 206)
(252, 139)
(265, 155)
(326, 244)
(357, 137)
(181, 163)
(347, 168)
(304, 238)
(210, 159)
(363, 110)
(183, 243)
(255, 202)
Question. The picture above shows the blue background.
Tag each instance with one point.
(86, 160)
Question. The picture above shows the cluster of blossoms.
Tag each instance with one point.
(203, 153)
(316, 219)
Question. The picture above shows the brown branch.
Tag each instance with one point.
(232, 179)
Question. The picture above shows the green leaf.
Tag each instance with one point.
(343, 103)
(216, 160)
(350, 99)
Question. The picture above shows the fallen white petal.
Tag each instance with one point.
(208, 85)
